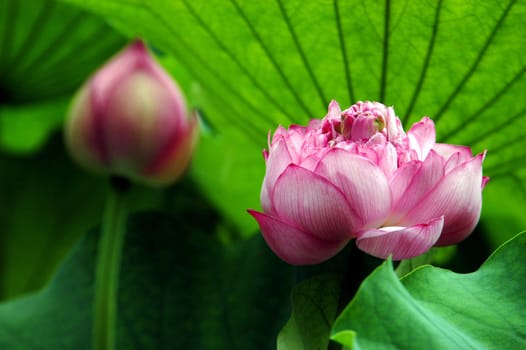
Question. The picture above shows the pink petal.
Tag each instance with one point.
(279, 133)
(400, 242)
(460, 155)
(458, 197)
(278, 159)
(402, 178)
(334, 112)
(311, 162)
(132, 123)
(332, 120)
(171, 163)
(117, 69)
(266, 202)
(265, 155)
(447, 150)
(485, 180)
(412, 181)
(422, 137)
(295, 140)
(364, 127)
(364, 184)
(292, 244)
(454, 160)
(387, 159)
(314, 125)
(313, 204)
(395, 131)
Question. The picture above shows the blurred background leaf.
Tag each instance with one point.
(46, 204)
(179, 289)
(254, 65)
(47, 49)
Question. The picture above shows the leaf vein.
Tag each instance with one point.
(301, 52)
(34, 34)
(476, 115)
(5, 42)
(346, 65)
(503, 125)
(68, 28)
(272, 59)
(504, 146)
(244, 124)
(475, 64)
(425, 67)
(515, 163)
(385, 54)
(235, 59)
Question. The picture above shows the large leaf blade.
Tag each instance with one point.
(437, 309)
(260, 64)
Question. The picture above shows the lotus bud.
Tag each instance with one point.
(130, 119)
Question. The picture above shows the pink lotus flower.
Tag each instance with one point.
(357, 175)
(130, 119)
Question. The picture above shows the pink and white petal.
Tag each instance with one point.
(485, 180)
(363, 127)
(461, 156)
(331, 121)
(454, 160)
(295, 140)
(314, 125)
(422, 137)
(265, 155)
(400, 242)
(266, 201)
(446, 150)
(388, 159)
(311, 162)
(417, 180)
(458, 196)
(382, 153)
(364, 184)
(395, 131)
(117, 69)
(279, 133)
(334, 112)
(313, 204)
(402, 178)
(278, 159)
(292, 244)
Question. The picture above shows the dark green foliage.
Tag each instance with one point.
(179, 289)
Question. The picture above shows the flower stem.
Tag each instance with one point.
(108, 266)
(409, 265)
(359, 266)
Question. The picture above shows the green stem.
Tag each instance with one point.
(409, 265)
(108, 266)
(359, 265)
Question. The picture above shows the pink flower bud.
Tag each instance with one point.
(130, 119)
(364, 119)
(357, 175)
